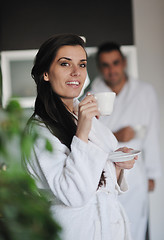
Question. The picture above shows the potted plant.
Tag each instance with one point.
(24, 213)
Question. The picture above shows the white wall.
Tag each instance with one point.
(149, 39)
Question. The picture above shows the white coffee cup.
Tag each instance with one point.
(105, 101)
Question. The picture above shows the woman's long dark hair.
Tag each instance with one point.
(48, 105)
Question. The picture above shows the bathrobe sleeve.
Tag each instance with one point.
(102, 136)
(72, 176)
(151, 143)
(121, 185)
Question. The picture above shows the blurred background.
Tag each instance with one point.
(24, 25)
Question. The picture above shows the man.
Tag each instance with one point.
(134, 122)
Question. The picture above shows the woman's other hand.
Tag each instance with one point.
(87, 110)
(124, 165)
(127, 164)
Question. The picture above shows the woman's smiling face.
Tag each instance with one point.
(68, 72)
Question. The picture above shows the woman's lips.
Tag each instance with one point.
(73, 84)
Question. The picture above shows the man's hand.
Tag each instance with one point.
(125, 134)
(151, 185)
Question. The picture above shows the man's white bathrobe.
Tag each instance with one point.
(71, 179)
(135, 106)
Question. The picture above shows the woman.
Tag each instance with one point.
(81, 181)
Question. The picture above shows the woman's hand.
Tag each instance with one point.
(124, 165)
(127, 164)
(87, 110)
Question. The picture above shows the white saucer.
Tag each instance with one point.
(120, 156)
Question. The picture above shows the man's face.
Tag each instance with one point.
(112, 67)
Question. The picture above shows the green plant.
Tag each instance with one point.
(24, 212)
(0, 85)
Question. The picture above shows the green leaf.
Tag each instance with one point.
(13, 106)
(48, 146)
(27, 144)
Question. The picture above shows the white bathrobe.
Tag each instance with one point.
(136, 105)
(71, 178)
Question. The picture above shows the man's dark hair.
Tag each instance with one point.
(108, 47)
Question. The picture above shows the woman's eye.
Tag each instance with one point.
(64, 64)
(83, 65)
